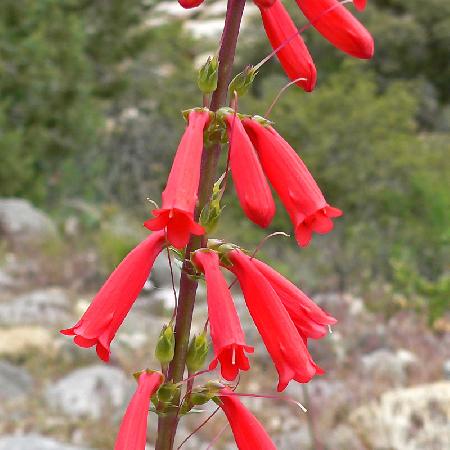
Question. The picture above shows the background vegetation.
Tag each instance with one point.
(91, 94)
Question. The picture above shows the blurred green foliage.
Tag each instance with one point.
(91, 94)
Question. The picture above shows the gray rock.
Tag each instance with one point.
(15, 382)
(6, 281)
(90, 392)
(21, 222)
(293, 439)
(160, 274)
(44, 306)
(388, 366)
(406, 419)
(343, 437)
(20, 340)
(446, 369)
(139, 330)
(34, 442)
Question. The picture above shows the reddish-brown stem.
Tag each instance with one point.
(167, 425)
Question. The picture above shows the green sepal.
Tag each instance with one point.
(167, 391)
(263, 121)
(185, 113)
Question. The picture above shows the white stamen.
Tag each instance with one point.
(233, 356)
(330, 330)
(301, 406)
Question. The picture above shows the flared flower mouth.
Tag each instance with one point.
(85, 339)
(319, 222)
(232, 359)
(178, 223)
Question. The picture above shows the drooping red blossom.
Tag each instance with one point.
(226, 332)
(281, 338)
(180, 195)
(188, 4)
(293, 182)
(110, 306)
(360, 5)
(311, 321)
(133, 429)
(248, 432)
(251, 185)
(294, 55)
(339, 26)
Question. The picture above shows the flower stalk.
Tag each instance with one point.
(167, 425)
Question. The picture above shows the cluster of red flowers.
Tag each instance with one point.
(329, 17)
(284, 316)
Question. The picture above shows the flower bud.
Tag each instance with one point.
(208, 75)
(197, 352)
(242, 81)
(165, 346)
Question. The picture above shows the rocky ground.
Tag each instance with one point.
(386, 387)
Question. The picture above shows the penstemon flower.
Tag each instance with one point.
(133, 429)
(281, 338)
(360, 5)
(249, 180)
(180, 195)
(311, 321)
(226, 332)
(292, 51)
(110, 306)
(339, 26)
(188, 4)
(248, 432)
(293, 182)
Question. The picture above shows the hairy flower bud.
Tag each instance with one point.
(242, 81)
(208, 75)
(197, 353)
(165, 347)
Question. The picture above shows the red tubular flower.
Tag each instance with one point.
(226, 332)
(133, 429)
(293, 182)
(360, 5)
(264, 3)
(339, 26)
(188, 4)
(248, 432)
(294, 55)
(180, 195)
(311, 321)
(286, 347)
(110, 306)
(249, 180)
